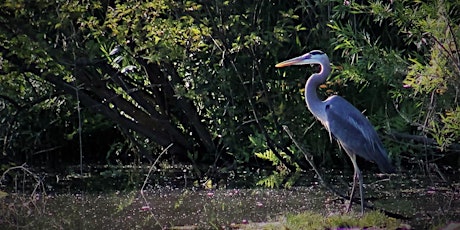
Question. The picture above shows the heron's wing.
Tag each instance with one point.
(355, 133)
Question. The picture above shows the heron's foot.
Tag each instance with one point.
(350, 202)
(348, 208)
(352, 194)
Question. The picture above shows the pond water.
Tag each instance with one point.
(426, 200)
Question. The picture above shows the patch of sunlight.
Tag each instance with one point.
(311, 220)
(306, 220)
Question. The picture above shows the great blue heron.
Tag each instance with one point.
(343, 121)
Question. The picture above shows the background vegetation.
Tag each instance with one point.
(114, 82)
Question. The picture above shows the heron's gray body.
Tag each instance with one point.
(355, 133)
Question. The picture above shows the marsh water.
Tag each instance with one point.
(426, 200)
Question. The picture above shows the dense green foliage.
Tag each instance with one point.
(201, 76)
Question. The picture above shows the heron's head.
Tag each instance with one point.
(312, 57)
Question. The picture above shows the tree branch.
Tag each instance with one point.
(422, 140)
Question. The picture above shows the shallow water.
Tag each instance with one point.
(164, 208)
(427, 200)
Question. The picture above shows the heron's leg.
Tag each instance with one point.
(359, 176)
(352, 191)
(361, 190)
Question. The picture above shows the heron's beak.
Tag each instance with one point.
(301, 60)
(289, 62)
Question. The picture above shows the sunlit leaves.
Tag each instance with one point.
(269, 156)
(434, 77)
(158, 32)
(432, 80)
(272, 181)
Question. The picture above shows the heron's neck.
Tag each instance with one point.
(314, 104)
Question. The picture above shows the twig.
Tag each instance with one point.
(80, 139)
(152, 167)
(441, 175)
(23, 168)
(47, 150)
(309, 159)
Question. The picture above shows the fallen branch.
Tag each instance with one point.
(423, 140)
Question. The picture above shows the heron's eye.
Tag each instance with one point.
(307, 56)
(316, 52)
